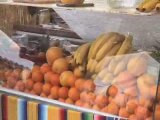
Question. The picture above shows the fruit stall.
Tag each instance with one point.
(84, 60)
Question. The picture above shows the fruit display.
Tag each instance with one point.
(91, 56)
(148, 5)
(129, 81)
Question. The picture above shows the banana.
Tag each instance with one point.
(126, 45)
(104, 62)
(82, 53)
(140, 7)
(93, 65)
(89, 64)
(114, 50)
(76, 55)
(108, 78)
(120, 67)
(108, 45)
(158, 7)
(100, 41)
(91, 50)
(150, 5)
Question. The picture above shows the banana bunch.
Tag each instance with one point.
(148, 5)
(81, 54)
(106, 45)
(93, 57)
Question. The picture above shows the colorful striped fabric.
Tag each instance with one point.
(87, 116)
(74, 115)
(43, 112)
(56, 113)
(32, 111)
(4, 107)
(22, 109)
(0, 106)
(14, 108)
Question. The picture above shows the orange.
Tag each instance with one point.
(29, 84)
(46, 88)
(17, 73)
(79, 84)
(123, 113)
(54, 92)
(113, 108)
(26, 91)
(71, 81)
(38, 88)
(35, 68)
(54, 79)
(132, 117)
(131, 106)
(61, 100)
(101, 101)
(95, 107)
(69, 101)
(33, 92)
(87, 105)
(78, 72)
(20, 85)
(89, 85)
(64, 77)
(11, 81)
(53, 53)
(47, 76)
(63, 92)
(45, 68)
(8, 73)
(83, 96)
(43, 95)
(112, 91)
(37, 76)
(74, 94)
(91, 98)
(105, 109)
(50, 96)
(110, 99)
(60, 65)
(79, 103)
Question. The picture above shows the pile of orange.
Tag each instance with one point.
(54, 80)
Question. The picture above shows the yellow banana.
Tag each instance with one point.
(89, 65)
(91, 50)
(101, 40)
(114, 50)
(158, 7)
(93, 65)
(82, 53)
(103, 63)
(108, 45)
(150, 5)
(140, 7)
(126, 45)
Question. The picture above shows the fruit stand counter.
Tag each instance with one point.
(20, 106)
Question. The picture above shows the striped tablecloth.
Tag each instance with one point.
(13, 108)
